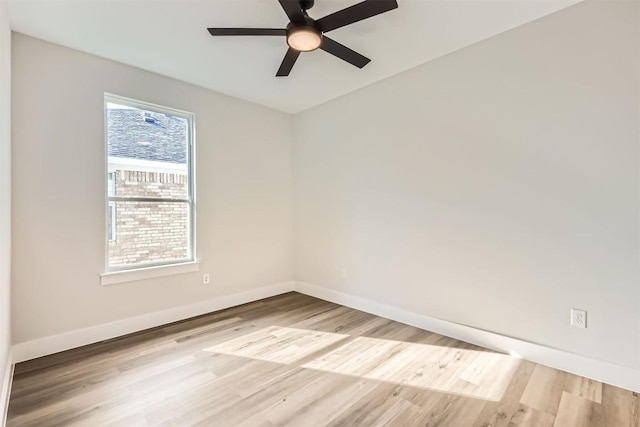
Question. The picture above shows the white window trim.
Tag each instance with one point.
(161, 268)
(135, 274)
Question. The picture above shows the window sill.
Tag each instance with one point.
(114, 277)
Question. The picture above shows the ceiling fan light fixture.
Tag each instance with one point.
(304, 38)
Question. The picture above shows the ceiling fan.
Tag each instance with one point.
(305, 34)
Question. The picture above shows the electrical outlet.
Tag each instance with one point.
(206, 279)
(343, 273)
(578, 318)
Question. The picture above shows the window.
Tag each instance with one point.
(150, 190)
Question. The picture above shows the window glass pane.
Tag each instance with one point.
(147, 152)
(150, 232)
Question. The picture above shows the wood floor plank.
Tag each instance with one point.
(526, 416)
(575, 411)
(453, 410)
(297, 361)
(584, 387)
(544, 390)
(620, 408)
(500, 414)
(306, 396)
(365, 410)
(325, 409)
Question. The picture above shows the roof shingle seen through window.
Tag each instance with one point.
(146, 135)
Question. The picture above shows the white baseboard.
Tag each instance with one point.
(598, 370)
(68, 340)
(5, 389)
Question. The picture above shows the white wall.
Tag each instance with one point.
(496, 187)
(5, 196)
(244, 200)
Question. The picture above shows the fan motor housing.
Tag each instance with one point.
(306, 4)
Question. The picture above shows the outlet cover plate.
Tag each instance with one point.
(578, 318)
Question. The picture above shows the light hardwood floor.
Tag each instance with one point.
(294, 360)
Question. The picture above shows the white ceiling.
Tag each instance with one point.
(169, 37)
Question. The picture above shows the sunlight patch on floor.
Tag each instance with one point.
(473, 373)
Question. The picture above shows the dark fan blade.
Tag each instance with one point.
(247, 32)
(343, 52)
(293, 10)
(355, 13)
(287, 63)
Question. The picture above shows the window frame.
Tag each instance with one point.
(190, 200)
